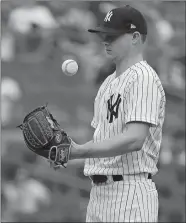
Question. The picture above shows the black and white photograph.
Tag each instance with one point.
(93, 111)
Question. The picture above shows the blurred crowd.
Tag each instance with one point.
(36, 37)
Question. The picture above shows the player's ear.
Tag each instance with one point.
(135, 38)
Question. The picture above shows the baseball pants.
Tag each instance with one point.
(123, 201)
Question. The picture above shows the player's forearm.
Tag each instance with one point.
(118, 145)
(112, 147)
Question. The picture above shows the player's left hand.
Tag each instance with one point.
(43, 135)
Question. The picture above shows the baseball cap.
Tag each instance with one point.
(122, 20)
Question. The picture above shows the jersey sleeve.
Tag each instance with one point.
(143, 100)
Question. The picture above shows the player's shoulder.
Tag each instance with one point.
(145, 71)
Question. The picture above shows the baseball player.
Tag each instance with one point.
(129, 113)
(128, 117)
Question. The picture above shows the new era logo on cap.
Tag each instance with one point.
(132, 26)
(108, 16)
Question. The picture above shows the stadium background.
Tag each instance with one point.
(36, 38)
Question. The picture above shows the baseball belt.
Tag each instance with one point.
(97, 179)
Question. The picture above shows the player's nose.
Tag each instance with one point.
(106, 44)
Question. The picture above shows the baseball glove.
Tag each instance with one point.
(43, 135)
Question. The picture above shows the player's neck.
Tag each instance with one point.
(123, 65)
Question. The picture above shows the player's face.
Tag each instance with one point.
(117, 47)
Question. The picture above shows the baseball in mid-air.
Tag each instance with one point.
(69, 67)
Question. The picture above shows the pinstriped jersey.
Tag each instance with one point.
(135, 95)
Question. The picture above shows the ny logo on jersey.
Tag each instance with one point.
(108, 16)
(113, 108)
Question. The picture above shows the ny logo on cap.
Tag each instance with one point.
(108, 16)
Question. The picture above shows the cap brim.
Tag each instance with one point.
(104, 30)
